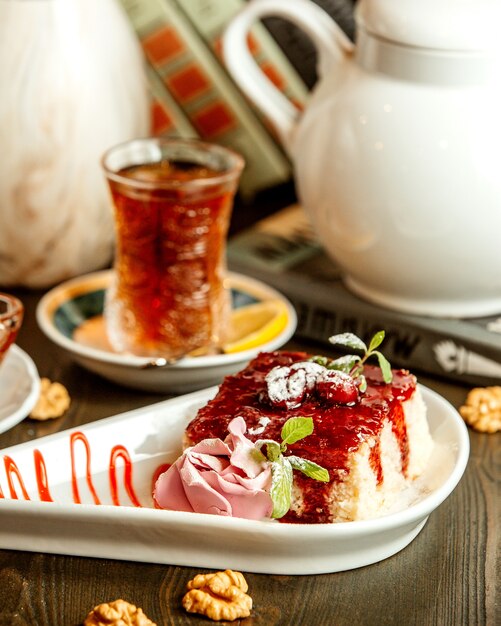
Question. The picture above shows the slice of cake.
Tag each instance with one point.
(370, 435)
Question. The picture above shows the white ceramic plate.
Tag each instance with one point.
(19, 387)
(62, 312)
(126, 526)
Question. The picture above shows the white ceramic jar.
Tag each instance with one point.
(72, 85)
(397, 156)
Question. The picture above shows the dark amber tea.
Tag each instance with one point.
(171, 218)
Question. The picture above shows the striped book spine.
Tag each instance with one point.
(168, 118)
(211, 18)
(192, 76)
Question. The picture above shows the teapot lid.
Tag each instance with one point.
(461, 25)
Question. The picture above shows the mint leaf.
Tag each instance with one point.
(349, 340)
(376, 341)
(282, 467)
(281, 487)
(320, 360)
(353, 364)
(311, 469)
(344, 363)
(385, 367)
(273, 451)
(296, 428)
(257, 455)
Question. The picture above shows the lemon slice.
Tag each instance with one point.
(256, 324)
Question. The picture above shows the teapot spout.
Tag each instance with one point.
(330, 41)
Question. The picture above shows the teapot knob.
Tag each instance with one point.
(330, 41)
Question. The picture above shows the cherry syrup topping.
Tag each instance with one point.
(337, 387)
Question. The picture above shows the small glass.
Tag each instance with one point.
(11, 318)
(172, 203)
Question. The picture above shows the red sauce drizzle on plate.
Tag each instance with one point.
(122, 453)
(74, 437)
(12, 469)
(338, 429)
(42, 479)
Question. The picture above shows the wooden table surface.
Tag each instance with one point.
(446, 576)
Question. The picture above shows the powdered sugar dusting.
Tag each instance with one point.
(285, 387)
(258, 430)
(289, 386)
(339, 380)
(311, 371)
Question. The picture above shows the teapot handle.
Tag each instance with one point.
(330, 41)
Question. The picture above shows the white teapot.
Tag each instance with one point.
(397, 157)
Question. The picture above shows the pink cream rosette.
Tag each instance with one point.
(218, 477)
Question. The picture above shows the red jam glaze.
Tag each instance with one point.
(338, 429)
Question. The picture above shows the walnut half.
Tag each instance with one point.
(219, 596)
(53, 402)
(482, 409)
(117, 613)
